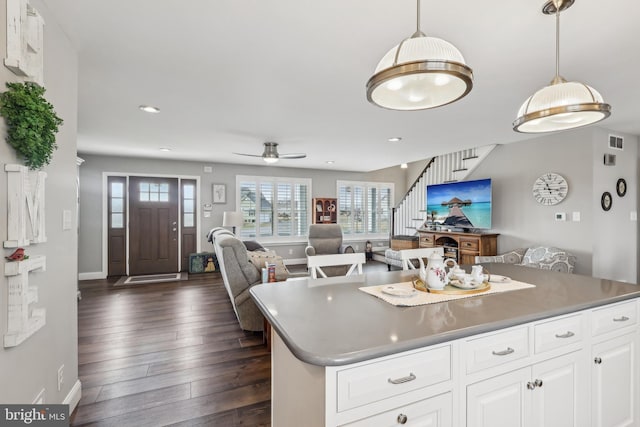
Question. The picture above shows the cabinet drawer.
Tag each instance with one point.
(558, 333)
(469, 245)
(435, 411)
(379, 380)
(494, 350)
(427, 240)
(611, 318)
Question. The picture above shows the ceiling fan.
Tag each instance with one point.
(270, 154)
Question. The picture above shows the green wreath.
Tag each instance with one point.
(32, 123)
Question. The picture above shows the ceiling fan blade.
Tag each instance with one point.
(293, 156)
(250, 155)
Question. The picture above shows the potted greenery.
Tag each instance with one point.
(32, 123)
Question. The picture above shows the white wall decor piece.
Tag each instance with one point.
(23, 318)
(25, 204)
(24, 41)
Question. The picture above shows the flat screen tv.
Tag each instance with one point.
(464, 204)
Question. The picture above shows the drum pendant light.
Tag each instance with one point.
(561, 105)
(419, 73)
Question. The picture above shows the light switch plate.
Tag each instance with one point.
(560, 216)
(575, 216)
(633, 215)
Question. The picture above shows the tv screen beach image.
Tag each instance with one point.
(465, 204)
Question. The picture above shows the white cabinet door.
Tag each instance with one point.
(500, 401)
(614, 384)
(560, 395)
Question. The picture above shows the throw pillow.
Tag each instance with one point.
(260, 259)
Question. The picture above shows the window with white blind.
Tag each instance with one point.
(365, 208)
(274, 208)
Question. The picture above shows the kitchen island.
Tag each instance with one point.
(343, 357)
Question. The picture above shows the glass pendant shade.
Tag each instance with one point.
(419, 73)
(561, 106)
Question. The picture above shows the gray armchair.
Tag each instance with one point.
(326, 239)
(542, 257)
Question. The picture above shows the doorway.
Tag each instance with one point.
(152, 227)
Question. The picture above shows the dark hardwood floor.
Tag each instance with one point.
(170, 354)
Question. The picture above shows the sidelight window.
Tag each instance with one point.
(116, 204)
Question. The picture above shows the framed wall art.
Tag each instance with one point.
(219, 193)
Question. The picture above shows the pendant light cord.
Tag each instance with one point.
(418, 17)
(558, 41)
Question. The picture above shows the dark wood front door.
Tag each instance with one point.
(153, 225)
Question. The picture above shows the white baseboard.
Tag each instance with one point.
(92, 276)
(73, 397)
(295, 261)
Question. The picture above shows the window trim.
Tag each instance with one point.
(258, 179)
(366, 185)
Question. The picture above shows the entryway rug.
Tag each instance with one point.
(151, 278)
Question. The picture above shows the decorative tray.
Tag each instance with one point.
(449, 289)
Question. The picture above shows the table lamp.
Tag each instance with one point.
(233, 220)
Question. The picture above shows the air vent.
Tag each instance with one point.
(616, 142)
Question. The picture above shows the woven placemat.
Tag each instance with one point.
(422, 298)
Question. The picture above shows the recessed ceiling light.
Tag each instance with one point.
(404, 166)
(149, 109)
(395, 139)
(165, 149)
(330, 162)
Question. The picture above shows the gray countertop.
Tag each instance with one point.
(330, 322)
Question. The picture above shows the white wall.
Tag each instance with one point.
(28, 368)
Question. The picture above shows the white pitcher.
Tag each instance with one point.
(477, 273)
(434, 274)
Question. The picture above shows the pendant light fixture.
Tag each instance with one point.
(561, 105)
(419, 73)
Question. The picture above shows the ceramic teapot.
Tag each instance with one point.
(434, 275)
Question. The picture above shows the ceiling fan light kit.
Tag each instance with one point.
(420, 73)
(562, 105)
(270, 154)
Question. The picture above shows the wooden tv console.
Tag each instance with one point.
(463, 247)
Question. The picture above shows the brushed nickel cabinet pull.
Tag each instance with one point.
(509, 350)
(568, 334)
(620, 319)
(411, 377)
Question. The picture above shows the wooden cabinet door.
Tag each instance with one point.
(560, 398)
(499, 401)
(614, 383)
(153, 225)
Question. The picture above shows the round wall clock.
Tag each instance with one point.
(606, 201)
(550, 189)
(621, 187)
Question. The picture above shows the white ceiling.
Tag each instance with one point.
(231, 74)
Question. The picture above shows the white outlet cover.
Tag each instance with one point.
(633, 215)
(575, 216)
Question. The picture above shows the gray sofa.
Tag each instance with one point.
(326, 239)
(238, 275)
